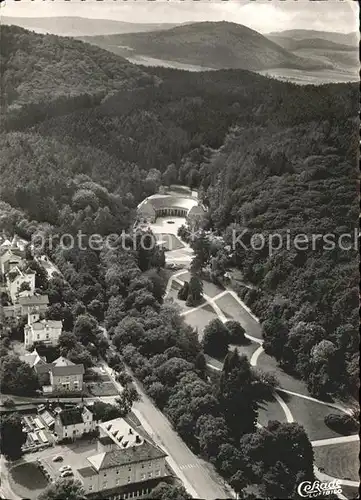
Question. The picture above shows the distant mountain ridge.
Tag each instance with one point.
(351, 38)
(81, 26)
(216, 45)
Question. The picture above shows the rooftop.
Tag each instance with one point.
(72, 416)
(123, 456)
(43, 323)
(33, 359)
(159, 201)
(30, 299)
(86, 472)
(105, 440)
(67, 370)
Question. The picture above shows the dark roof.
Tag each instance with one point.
(33, 299)
(122, 456)
(71, 416)
(87, 472)
(105, 440)
(67, 370)
(41, 368)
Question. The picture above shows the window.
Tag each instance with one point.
(150, 465)
(129, 479)
(142, 466)
(157, 472)
(129, 469)
(149, 474)
(143, 476)
(117, 472)
(105, 484)
(90, 487)
(65, 434)
(117, 481)
(105, 474)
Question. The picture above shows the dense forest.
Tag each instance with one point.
(267, 156)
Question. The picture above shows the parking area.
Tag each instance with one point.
(73, 455)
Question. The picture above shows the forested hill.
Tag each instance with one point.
(209, 44)
(42, 72)
(268, 155)
(284, 182)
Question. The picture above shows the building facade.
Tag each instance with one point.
(126, 461)
(73, 423)
(28, 303)
(66, 376)
(45, 330)
(10, 259)
(168, 205)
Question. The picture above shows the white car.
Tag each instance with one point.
(67, 473)
(65, 468)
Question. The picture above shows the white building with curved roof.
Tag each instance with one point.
(169, 205)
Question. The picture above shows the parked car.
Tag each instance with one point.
(67, 473)
(58, 458)
(65, 468)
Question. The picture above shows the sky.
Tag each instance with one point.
(262, 15)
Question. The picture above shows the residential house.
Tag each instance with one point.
(45, 330)
(28, 302)
(66, 376)
(33, 359)
(11, 258)
(73, 423)
(15, 278)
(59, 377)
(128, 464)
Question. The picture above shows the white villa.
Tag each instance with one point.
(45, 330)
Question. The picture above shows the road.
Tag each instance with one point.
(193, 472)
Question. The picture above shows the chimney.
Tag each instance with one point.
(137, 439)
(130, 430)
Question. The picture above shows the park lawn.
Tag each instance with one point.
(101, 388)
(27, 480)
(310, 415)
(339, 460)
(350, 492)
(286, 381)
(233, 310)
(271, 410)
(209, 288)
(200, 318)
(172, 296)
(247, 349)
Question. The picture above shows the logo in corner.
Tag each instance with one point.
(309, 489)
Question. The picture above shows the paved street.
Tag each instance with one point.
(195, 476)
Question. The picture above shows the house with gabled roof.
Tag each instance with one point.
(66, 376)
(128, 464)
(29, 302)
(73, 423)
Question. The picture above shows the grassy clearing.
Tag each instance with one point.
(311, 415)
(233, 310)
(271, 410)
(339, 460)
(269, 364)
(27, 480)
(199, 319)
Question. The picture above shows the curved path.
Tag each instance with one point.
(253, 361)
